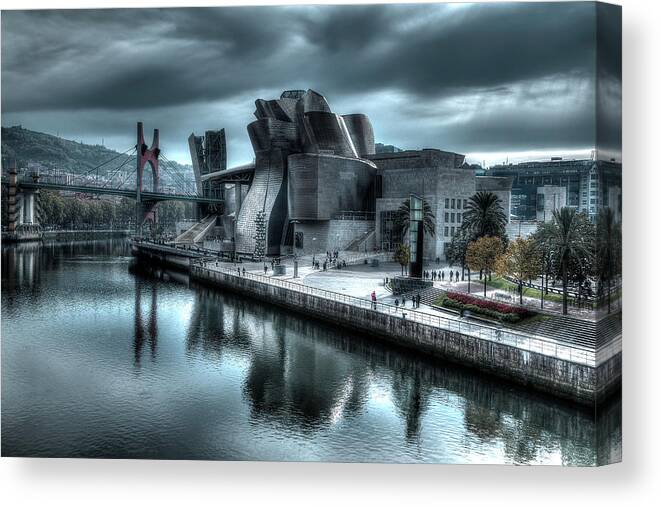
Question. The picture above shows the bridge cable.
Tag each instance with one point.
(174, 174)
(116, 171)
(107, 161)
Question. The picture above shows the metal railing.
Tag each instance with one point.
(536, 344)
(355, 215)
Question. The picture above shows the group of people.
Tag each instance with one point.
(332, 260)
(440, 275)
(415, 301)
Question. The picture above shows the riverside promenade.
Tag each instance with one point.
(580, 373)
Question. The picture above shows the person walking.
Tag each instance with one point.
(244, 271)
(451, 274)
(442, 275)
(456, 276)
(373, 299)
(265, 269)
(417, 300)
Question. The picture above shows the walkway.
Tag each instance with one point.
(424, 315)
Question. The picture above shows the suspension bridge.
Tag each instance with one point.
(111, 177)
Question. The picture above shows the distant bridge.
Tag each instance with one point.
(21, 200)
(30, 184)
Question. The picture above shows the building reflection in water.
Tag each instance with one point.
(296, 377)
(305, 373)
(145, 326)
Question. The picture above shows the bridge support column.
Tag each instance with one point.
(146, 155)
(12, 204)
(146, 213)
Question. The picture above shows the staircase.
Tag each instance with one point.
(565, 329)
(358, 243)
(197, 232)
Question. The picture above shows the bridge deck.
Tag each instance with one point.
(130, 193)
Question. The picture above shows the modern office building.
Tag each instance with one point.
(589, 185)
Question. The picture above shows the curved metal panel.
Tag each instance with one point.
(361, 132)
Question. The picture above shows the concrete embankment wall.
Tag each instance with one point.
(556, 376)
(177, 259)
(82, 235)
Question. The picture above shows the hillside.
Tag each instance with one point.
(28, 146)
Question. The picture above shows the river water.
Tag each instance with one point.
(102, 359)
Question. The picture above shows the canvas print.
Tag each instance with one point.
(358, 233)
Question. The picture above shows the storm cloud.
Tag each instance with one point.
(482, 79)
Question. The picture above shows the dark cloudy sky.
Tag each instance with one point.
(489, 80)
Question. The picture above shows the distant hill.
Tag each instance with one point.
(51, 152)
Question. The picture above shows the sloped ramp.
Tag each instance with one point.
(198, 231)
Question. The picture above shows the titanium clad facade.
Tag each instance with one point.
(327, 134)
(361, 132)
(321, 186)
(306, 168)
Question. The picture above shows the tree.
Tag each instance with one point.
(456, 252)
(401, 218)
(521, 261)
(609, 250)
(108, 210)
(485, 217)
(543, 238)
(572, 240)
(402, 256)
(482, 255)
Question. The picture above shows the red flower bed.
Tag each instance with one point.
(488, 304)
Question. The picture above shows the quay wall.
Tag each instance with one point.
(578, 382)
(82, 235)
(179, 259)
(556, 376)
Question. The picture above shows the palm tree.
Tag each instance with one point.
(608, 249)
(401, 218)
(485, 216)
(572, 239)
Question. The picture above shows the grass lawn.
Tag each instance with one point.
(539, 317)
(508, 286)
(439, 300)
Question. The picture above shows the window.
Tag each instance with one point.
(458, 217)
(447, 217)
(452, 204)
(446, 231)
(452, 218)
(447, 203)
(452, 231)
(465, 203)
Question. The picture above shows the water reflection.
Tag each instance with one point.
(221, 376)
(145, 326)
